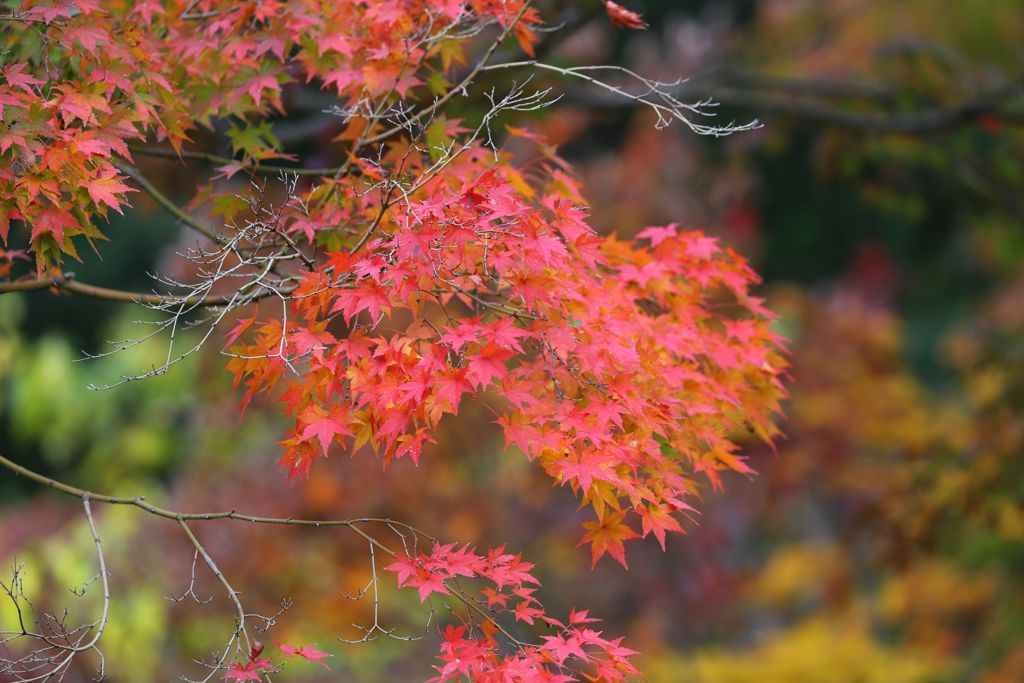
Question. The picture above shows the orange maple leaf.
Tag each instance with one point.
(606, 536)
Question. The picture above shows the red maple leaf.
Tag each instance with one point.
(658, 519)
(405, 566)
(368, 296)
(17, 78)
(620, 16)
(308, 652)
(250, 671)
(427, 582)
(106, 187)
(562, 648)
(53, 221)
(486, 366)
(324, 425)
(262, 82)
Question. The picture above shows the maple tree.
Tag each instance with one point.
(446, 258)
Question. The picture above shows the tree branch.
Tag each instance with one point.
(67, 282)
(811, 100)
(181, 517)
(215, 159)
(166, 203)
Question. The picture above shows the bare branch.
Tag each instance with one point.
(67, 282)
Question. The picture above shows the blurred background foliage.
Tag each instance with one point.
(883, 540)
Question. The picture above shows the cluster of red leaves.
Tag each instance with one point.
(97, 75)
(443, 270)
(258, 666)
(475, 654)
(622, 369)
(617, 372)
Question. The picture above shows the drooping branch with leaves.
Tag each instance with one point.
(445, 258)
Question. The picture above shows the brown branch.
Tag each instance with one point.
(166, 203)
(810, 100)
(232, 593)
(182, 517)
(67, 282)
(928, 120)
(140, 502)
(215, 159)
(841, 89)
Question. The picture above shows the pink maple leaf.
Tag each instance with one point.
(324, 425)
(308, 652)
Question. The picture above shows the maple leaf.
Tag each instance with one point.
(466, 332)
(250, 671)
(486, 366)
(508, 570)
(88, 143)
(324, 425)
(562, 648)
(495, 599)
(456, 562)
(8, 136)
(79, 105)
(403, 84)
(606, 536)
(341, 77)
(405, 567)
(411, 445)
(54, 221)
(368, 296)
(451, 386)
(15, 75)
(526, 37)
(581, 617)
(90, 37)
(337, 41)
(584, 468)
(506, 334)
(307, 652)
(658, 234)
(228, 171)
(306, 340)
(105, 187)
(624, 18)
(256, 86)
(239, 329)
(7, 212)
(427, 583)
(255, 141)
(658, 519)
